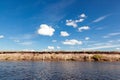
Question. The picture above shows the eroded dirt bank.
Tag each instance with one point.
(60, 56)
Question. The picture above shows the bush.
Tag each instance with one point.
(97, 57)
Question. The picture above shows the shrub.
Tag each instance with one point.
(97, 57)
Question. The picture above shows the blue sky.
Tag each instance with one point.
(60, 25)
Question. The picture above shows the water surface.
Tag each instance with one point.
(38, 70)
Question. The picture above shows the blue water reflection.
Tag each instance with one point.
(38, 70)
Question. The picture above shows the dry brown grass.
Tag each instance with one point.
(61, 55)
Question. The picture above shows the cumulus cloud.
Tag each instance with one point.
(87, 38)
(64, 33)
(111, 35)
(50, 47)
(83, 15)
(72, 42)
(1, 36)
(80, 29)
(71, 23)
(79, 20)
(46, 30)
(99, 19)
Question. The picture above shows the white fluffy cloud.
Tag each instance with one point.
(83, 28)
(64, 33)
(72, 42)
(71, 23)
(1, 36)
(46, 30)
(87, 38)
(50, 47)
(79, 20)
(83, 15)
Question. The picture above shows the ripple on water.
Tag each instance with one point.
(27, 70)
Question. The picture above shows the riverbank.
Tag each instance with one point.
(60, 56)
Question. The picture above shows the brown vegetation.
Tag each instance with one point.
(60, 55)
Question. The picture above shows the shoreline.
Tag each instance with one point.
(59, 56)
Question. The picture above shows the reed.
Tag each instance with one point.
(60, 56)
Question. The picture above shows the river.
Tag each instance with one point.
(66, 70)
